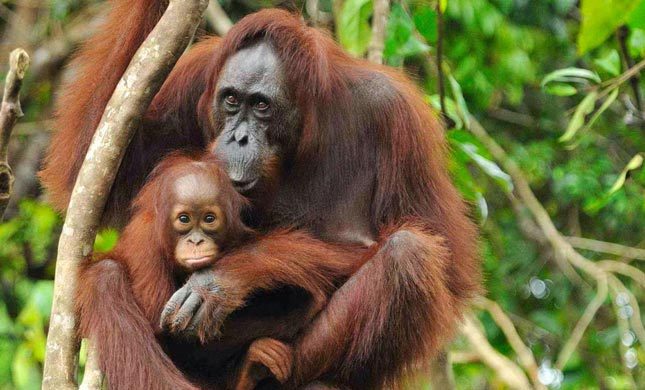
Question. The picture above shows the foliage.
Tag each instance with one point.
(546, 78)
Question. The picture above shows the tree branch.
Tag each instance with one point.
(93, 378)
(140, 82)
(524, 353)
(583, 323)
(635, 318)
(379, 23)
(607, 247)
(505, 369)
(10, 111)
(217, 18)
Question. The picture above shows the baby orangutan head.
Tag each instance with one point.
(199, 224)
(195, 207)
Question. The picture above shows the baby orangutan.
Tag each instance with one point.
(201, 230)
(187, 219)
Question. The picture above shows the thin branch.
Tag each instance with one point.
(616, 288)
(441, 375)
(635, 318)
(523, 190)
(464, 357)
(617, 81)
(505, 369)
(25, 168)
(10, 111)
(607, 247)
(533, 232)
(140, 82)
(93, 378)
(440, 73)
(217, 18)
(634, 81)
(524, 353)
(582, 324)
(379, 23)
(318, 17)
(625, 269)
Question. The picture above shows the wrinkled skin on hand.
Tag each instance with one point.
(199, 308)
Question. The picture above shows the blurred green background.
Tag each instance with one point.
(540, 93)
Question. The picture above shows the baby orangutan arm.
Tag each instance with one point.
(286, 258)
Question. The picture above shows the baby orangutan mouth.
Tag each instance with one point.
(198, 262)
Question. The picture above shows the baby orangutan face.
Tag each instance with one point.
(197, 220)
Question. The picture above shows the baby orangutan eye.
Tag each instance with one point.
(184, 218)
(209, 218)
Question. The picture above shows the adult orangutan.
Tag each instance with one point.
(186, 218)
(360, 159)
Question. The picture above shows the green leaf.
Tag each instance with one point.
(400, 42)
(353, 27)
(451, 108)
(600, 20)
(577, 75)
(462, 107)
(578, 119)
(482, 206)
(425, 20)
(637, 17)
(636, 42)
(605, 105)
(560, 89)
(635, 163)
(489, 167)
(610, 63)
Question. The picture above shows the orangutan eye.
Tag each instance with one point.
(261, 106)
(232, 100)
(209, 218)
(184, 218)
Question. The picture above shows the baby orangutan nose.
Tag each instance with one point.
(196, 251)
(196, 239)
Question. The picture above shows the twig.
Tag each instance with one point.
(464, 357)
(10, 111)
(560, 246)
(512, 117)
(622, 34)
(505, 369)
(582, 324)
(143, 78)
(379, 22)
(441, 375)
(533, 232)
(440, 73)
(607, 247)
(617, 287)
(625, 269)
(26, 181)
(635, 318)
(524, 353)
(617, 81)
(217, 18)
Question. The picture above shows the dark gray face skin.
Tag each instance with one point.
(258, 121)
